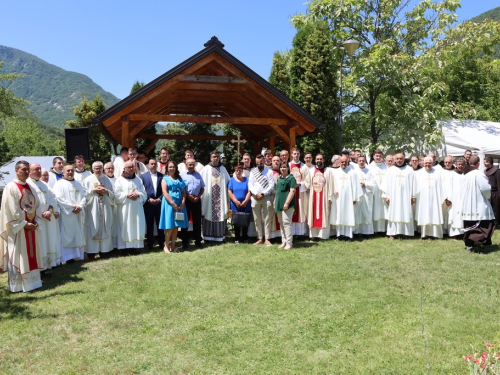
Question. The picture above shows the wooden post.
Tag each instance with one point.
(292, 140)
(271, 144)
(125, 131)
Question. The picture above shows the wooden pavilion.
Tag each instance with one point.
(210, 87)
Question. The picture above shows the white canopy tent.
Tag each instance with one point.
(8, 170)
(481, 137)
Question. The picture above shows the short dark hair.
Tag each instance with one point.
(345, 152)
(214, 152)
(166, 149)
(268, 151)
(260, 156)
(286, 165)
(56, 159)
(308, 153)
(124, 149)
(489, 159)
(21, 162)
(79, 157)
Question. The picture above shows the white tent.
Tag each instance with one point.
(8, 170)
(481, 137)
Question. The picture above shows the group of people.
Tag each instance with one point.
(56, 216)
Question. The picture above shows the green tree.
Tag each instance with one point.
(8, 101)
(23, 138)
(392, 92)
(470, 70)
(313, 83)
(100, 146)
(280, 72)
(136, 86)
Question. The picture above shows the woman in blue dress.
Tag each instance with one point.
(239, 196)
(174, 194)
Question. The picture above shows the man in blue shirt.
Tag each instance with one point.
(194, 190)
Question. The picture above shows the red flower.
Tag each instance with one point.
(469, 357)
(489, 345)
(483, 366)
(477, 361)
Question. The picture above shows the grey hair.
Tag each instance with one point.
(97, 163)
(335, 158)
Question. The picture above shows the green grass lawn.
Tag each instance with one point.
(371, 307)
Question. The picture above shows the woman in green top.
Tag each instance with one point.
(284, 204)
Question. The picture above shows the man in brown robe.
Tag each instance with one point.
(493, 174)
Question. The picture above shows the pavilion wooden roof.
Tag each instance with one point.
(210, 87)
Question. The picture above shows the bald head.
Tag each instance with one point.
(474, 161)
(35, 171)
(399, 159)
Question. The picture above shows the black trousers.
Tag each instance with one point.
(153, 213)
(193, 209)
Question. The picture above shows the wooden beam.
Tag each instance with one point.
(210, 119)
(136, 129)
(292, 140)
(271, 144)
(125, 131)
(284, 137)
(192, 136)
(210, 79)
(152, 145)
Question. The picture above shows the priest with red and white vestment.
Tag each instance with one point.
(20, 253)
(318, 216)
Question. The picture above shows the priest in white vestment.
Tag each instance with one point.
(379, 169)
(430, 199)
(364, 208)
(20, 253)
(302, 176)
(320, 195)
(130, 196)
(455, 196)
(109, 171)
(99, 214)
(399, 190)
(80, 172)
(215, 200)
(477, 212)
(49, 235)
(140, 168)
(71, 200)
(346, 194)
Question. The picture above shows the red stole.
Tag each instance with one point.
(317, 198)
(28, 198)
(163, 167)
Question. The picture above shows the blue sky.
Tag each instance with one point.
(116, 43)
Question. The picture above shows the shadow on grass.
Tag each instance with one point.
(488, 249)
(61, 275)
(18, 305)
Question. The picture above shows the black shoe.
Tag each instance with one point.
(133, 252)
(44, 274)
(185, 245)
(71, 261)
(199, 245)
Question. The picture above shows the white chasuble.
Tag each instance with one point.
(379, 206)
(430, 198)
(477, 191)
(20, 253)
(400, 186)
(131, 219)
(99, 218)
(347, 190)
(320, 202)
(302, 176)
(80, 176)
(49, 233)
(456, 196)
(70, 194)
(364, 208)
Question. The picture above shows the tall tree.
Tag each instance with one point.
(313, 83)
(136, 86)
(392, 92)
(280, 72)
(100, 147)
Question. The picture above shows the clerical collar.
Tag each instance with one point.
(296, 162)
(320, 169)
(19, 181)
(402, 166)
(67, 179)
(215, 166)
(77, 171)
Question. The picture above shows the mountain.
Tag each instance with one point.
(51, 90)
